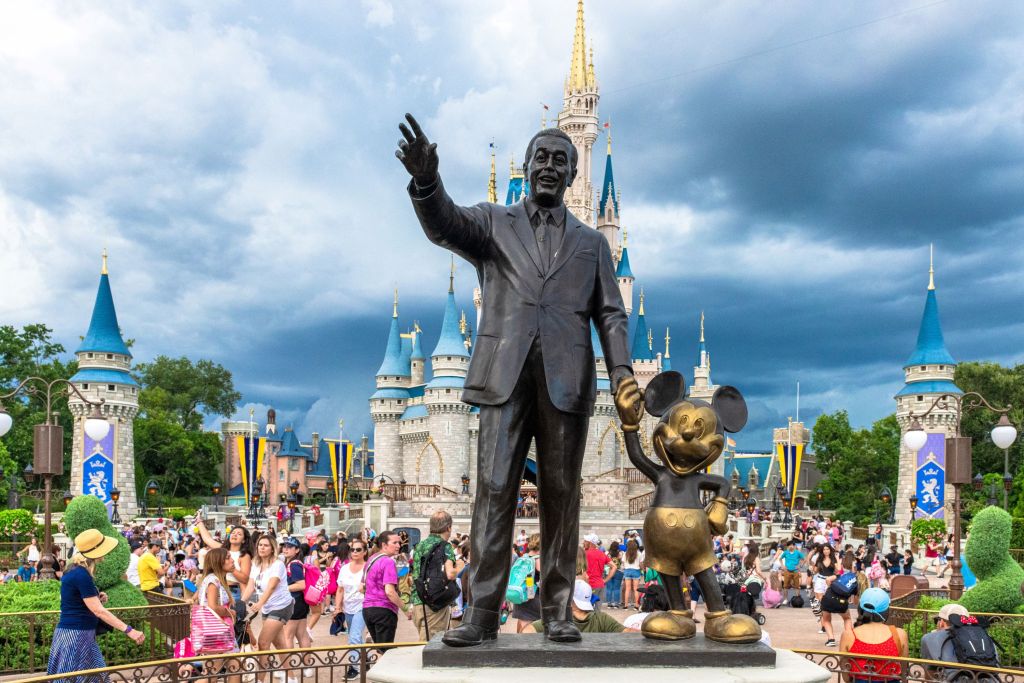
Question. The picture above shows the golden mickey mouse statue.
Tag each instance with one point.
(678, 527)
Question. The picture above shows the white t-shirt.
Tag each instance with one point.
(133, 570)
(635, 564)
(280, 598)
(222, 594)
(33, 553)
(351, 582)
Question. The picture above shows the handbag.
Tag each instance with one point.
(211, 633)
(316, 585)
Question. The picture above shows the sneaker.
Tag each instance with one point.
(351, 672)
(821, 631)
(831, 642)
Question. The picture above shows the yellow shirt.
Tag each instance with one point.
(148, 568)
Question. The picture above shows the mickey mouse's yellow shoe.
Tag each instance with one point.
(673, 625)
(726, 627)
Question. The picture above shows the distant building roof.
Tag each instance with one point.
(104, 376)
(446, 382)
(931, 347)
(412, 412)
(929, 387)
(392, 364)
(391, 392)
(623, 269)
(451, 342)
(290, 447)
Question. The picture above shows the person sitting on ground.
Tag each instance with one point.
(586, 618)
(870, 635)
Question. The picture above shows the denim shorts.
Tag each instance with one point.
(631, 573)
(282, 615)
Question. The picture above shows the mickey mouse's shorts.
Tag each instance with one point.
(678, 541)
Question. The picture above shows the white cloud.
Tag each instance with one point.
(379, 13)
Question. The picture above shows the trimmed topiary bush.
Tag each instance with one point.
(89, 512)
(999, 575)
(1017, 535)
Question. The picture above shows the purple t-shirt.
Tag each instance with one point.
(380, 574)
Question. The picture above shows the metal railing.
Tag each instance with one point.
(631, 474)
(638, 504)
(326, 664)
(845, 666)
(25, 637)
(410, 491)
(913, 597)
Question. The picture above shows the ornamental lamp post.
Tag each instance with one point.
(330, 497)
(68, 497)
(913, 510)
(48, 447)
(215, 490)
(886, 497)
(751, 506)
(819, 494)
(465, 484)
(958, 458)
(115, 495)
(1003, 436)
(291, 511)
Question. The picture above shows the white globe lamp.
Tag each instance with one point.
(915, 437)
(1003, 434)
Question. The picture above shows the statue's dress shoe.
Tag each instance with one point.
(726, 627)
(561, 631)
(672, 625)
(467, 635)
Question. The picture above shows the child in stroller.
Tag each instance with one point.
(742, 599)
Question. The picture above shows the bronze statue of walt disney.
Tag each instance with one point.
(678, 527)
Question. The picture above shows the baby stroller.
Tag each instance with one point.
(742, 599)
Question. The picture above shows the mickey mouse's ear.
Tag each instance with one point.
(663, 391)
(728, 402)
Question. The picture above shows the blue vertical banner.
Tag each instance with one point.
(930, 481)
(98, 466)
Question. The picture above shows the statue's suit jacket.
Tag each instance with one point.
(523, 299)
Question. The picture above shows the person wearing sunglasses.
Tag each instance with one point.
(349, 599)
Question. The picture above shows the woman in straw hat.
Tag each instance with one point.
(74, 646)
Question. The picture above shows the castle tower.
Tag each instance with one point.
(645, 364)
(624, 274)
(492, 182)
(417, 361)
(104, 362)
(702, 386)
(928, 374)
(389, 402)
(666, 360)
(608, 205)
(578, 119)
(446, 459)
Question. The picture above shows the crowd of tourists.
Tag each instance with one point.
(264, 590)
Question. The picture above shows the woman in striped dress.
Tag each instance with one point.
(74, 646)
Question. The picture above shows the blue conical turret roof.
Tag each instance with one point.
(608, 189)
(392, 364)
(451, 341)
(417, 347)
(104, 335)
(623, 269)
(641, 348)
(406, 357)
(931, 347)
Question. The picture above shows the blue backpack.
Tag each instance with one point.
(520, 581)
(845, 585)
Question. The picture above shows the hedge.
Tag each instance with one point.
(16, 522)
(988, 555)
(1017, 534)
(43, 596)
(89, 512)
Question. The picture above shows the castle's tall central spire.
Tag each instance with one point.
(578, 67)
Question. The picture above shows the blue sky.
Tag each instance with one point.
(783, 166)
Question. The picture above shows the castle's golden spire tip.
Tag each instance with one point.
(492, 183)
(641, 311)
(931, 266)
(103, 270)
(578, 67)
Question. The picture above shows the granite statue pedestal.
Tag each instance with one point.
(598, 657)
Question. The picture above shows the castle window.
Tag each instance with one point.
(88, 355)
(293, 464)
(110, 356)
(920, 398)
(280, 475)
(449, 357)
(941, 368)
(85, 387)
(110, 387)
(447, 391)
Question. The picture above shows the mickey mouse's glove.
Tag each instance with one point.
(718, 515)
(629, 403)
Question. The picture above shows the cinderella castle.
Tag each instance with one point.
(425, 437)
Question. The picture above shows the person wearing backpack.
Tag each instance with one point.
(941, 644)
(528, 610)
(434, 569)
(836, 600)
(294, 556)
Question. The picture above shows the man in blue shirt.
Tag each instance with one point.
(26, 572)
(792, 559)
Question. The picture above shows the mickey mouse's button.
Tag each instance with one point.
(671, 520)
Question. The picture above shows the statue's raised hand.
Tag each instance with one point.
(417, 153)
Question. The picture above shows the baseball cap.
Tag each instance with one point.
(592, 538)
(292, 541)
(581, 595)
(949, 610)
(874, 601)
(135, 545)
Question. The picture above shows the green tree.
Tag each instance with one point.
(1001, 386)
(858, 464)
(188, 391)
(170, 446)
(31, 352)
